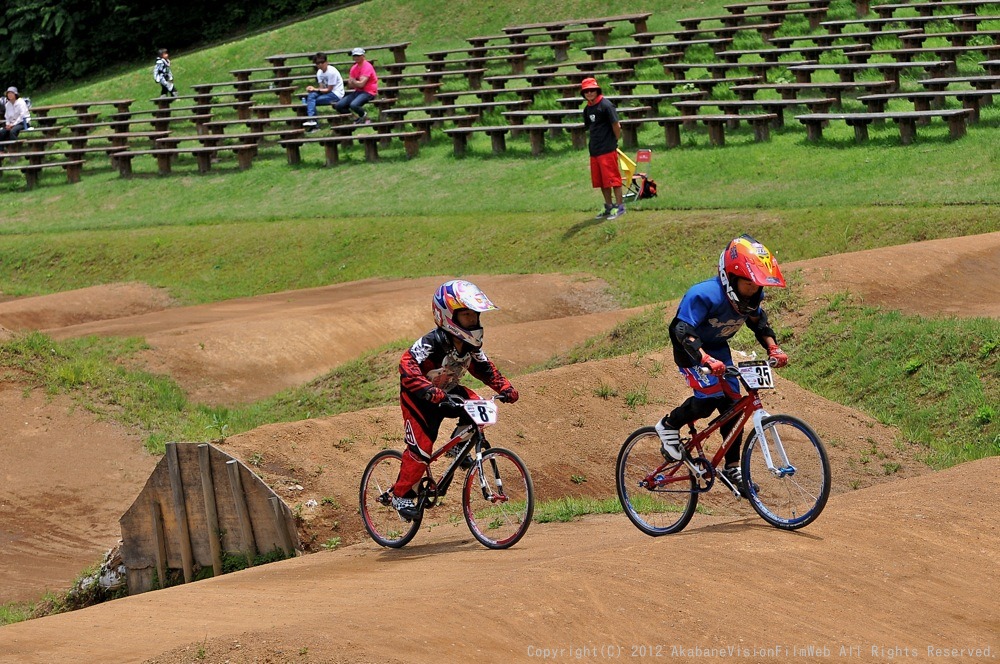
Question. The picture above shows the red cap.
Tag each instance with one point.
(589, 84)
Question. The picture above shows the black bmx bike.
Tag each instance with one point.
(498, 498)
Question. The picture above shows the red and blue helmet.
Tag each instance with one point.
(748, 259)
(453, 296)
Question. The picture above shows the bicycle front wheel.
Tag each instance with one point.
(498, 501)
(381, 519)
(792, 491)
(658, 496)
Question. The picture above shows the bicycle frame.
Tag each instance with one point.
(430, 490)
(746, 408)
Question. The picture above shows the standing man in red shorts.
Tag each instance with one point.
(600, 118)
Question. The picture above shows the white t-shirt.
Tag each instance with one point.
(331, 78)
(16, 112)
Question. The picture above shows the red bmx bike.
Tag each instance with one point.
(785, 469)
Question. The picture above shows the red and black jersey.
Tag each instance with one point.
(432, 367)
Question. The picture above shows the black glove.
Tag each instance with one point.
(452, 406)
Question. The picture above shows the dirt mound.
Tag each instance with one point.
(84, 305)
(66, 479)
(952, 277)
(880, 570)
(246, 349)
(567, 433)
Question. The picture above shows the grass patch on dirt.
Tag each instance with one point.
(569, 508)
(100, 374)
(85, 591)
(937, 380)
(14, 612)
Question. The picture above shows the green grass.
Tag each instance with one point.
(84, 591)
(783, 173)
(14, 612)
(937, 380)
(647, 256)
(96, 373)
(569, 508)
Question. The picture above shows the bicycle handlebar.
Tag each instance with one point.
(731, 370)
(459, 400)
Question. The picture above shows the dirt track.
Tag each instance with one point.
(905, 563)
(882, 568)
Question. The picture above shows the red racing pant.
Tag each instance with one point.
(421, 421)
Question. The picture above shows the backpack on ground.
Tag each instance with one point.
(647, 186)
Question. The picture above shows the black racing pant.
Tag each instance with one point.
(699, 409)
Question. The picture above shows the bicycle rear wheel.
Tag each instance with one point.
(499, 502)
(791, 496)
(658, 497)
(381, 519)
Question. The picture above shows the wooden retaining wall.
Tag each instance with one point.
(198, 505)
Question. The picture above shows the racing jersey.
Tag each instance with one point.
(706, 308)
(432, 366)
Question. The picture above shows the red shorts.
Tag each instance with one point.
(604, 173)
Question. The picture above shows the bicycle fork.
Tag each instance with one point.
(494, 495)
(786, 469)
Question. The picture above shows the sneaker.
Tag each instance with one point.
(670, 441)
(309, 123)
(605, 213)
(465, 464)
(406, 507)
(617, 212)
(735, 476)
(453, 452)
(362, 119)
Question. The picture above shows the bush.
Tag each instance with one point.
(45, 42)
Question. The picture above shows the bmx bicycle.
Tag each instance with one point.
(498, 498)
(785, 469)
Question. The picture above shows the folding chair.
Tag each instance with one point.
(631, 180)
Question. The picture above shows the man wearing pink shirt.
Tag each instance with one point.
(362, 86)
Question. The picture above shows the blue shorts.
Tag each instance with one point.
(707, 387)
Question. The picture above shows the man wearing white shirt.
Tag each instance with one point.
(329, 89)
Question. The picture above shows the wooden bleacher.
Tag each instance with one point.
(530, 66)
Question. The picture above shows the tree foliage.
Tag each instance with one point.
(44, 42)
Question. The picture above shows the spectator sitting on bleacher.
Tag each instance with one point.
(16, 116)
(329, 89)
(163, 75)
(363, 83)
